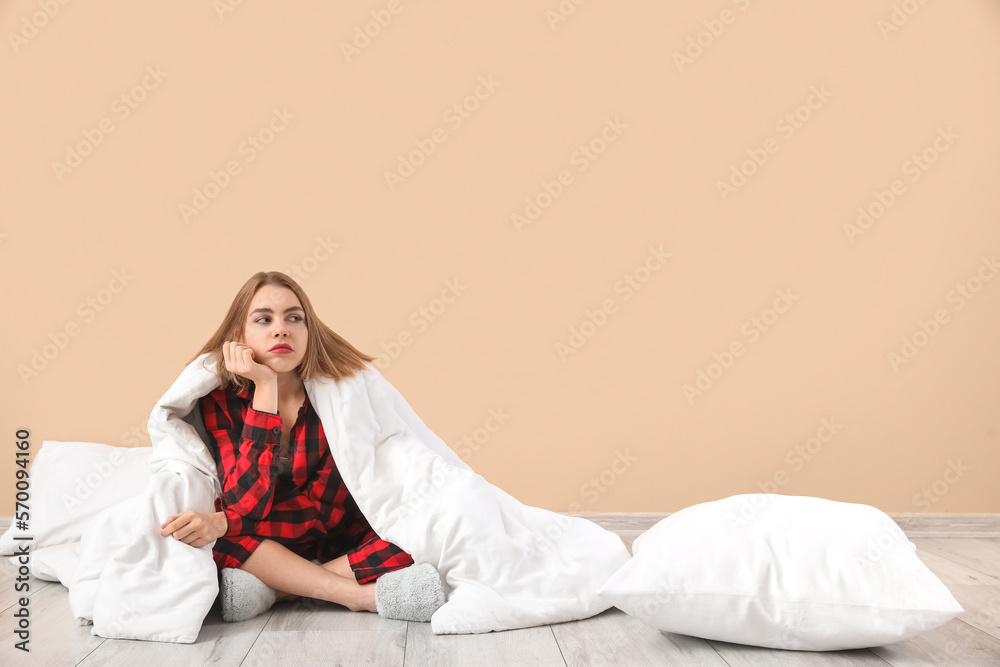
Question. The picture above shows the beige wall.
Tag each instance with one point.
(829, 107)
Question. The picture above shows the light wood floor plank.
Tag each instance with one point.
(615, 638)
(348, 648)
(738, 655)
(359, 637)
(219, 643)
(979, 554)
(982, 607)
(976, 591)
(954, 643)
(309, 614)
(949, 525)
(523, 648)
(55, 638)
(616, 522)
(949, 571)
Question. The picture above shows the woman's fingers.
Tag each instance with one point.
(182, 533)
(235, 359)
(168, 529)
(189, 528)
(232, 358)
(197, 537)
(178, 524)
(239, 359)
(173, 523)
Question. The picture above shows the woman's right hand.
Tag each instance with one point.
(195, 528)
(240, 361)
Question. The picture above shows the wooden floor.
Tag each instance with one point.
(965, 557)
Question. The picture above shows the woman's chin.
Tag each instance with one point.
(283, 364)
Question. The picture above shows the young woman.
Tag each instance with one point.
(286, 524)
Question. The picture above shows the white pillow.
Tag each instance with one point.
(791, 572)
(70, 483)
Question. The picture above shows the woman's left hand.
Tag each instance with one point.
(195, 528)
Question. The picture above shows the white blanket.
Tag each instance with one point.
(505, 565)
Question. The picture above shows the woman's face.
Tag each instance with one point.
(276, 318)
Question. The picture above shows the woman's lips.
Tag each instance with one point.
(281, 350)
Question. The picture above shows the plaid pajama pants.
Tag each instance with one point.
(369, 556)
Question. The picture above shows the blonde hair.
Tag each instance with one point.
(327, 353)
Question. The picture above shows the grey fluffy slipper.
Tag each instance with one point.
(244, 595)
(411, 594)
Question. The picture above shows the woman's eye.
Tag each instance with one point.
(265, 319)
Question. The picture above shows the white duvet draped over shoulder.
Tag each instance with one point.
(505, 565)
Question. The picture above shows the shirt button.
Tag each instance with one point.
(276, 430)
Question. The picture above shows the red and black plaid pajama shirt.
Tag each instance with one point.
(308, 509)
